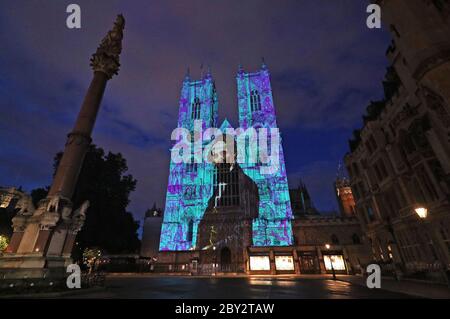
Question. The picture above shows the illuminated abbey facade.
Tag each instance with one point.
(215, 213)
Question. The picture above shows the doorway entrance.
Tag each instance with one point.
(225, 259)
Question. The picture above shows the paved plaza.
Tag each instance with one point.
(172, 287)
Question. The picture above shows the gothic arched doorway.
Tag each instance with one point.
(225, 259)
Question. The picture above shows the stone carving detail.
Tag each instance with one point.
(436, 103)
(19, 223)
(66, 212)
(25, 206)
(407, 112)
(79, 216)
(106, 58)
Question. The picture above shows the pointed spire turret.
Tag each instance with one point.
(263, 64)
(208, 72)
(187, 77)
(240, 69)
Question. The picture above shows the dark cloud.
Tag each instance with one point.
(325, 65)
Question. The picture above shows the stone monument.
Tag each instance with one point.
(44, 236)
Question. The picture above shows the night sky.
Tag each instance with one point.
(325, 65)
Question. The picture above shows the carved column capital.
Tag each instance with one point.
(106, 58)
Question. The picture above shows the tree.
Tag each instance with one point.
(6, 216)
(102, 181)
(3, 242)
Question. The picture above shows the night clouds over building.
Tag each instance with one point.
(325, 66)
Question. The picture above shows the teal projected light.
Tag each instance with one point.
(190, 185)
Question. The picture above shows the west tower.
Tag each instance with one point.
(190, 185)
(256, 110)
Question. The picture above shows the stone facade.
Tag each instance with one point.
(400, 159)
(344, 236)
(318, 241)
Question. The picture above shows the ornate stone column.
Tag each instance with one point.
(43, 237)
(105, 64)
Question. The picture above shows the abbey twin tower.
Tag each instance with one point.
(217, 210)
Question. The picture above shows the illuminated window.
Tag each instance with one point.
(196, 109)
(255, 101)
(259, 263)
(191, 167)
(226, 183)
(336, 260)
(5, 200)
(284, 263)
(389, 247)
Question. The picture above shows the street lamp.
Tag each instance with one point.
(422, 212)
(215, 260)
(327, 246)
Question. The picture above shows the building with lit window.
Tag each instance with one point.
(344, 196)
(324, 239)
(399, 161)
(222, 216)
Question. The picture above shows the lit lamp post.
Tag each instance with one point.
(327, 246)
(215, 260)
(422, 212)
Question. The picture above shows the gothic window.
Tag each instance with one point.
(255, 101)
(191, 168)
(334, 239)
(437, 104)
(427, 183)
(370, 214)
(408, 145)
(189, 192)
(196, 109)
(226, 184)
(445, 234)
(356, 240)
(190, 232)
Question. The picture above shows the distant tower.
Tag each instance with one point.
(151, 232)
(190, 185)
(256, 110)
(301, 201)
(344, 194)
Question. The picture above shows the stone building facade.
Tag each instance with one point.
(319, 242)
(400, 159)
(215, 212)
(321, 239)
